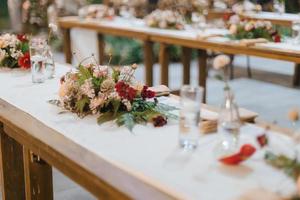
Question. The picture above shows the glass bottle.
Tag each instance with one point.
(228, 126)
(49, 63)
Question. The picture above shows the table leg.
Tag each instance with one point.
(12, 169)
(202, 59)
(101, 48)
(67, 45)
(296, 78)
(38, 177)
(186, 62)
(148, 61)
(164, 64)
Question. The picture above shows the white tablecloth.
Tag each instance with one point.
(153, 151)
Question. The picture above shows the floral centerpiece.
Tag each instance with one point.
(185, 7)
(165, 19)
(14, 51)
(251, 29)
(137, 7)
(97, 11)
(113, 94)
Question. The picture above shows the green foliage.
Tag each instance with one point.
(142, 112)
(84, 74)
(127, 120)
(81, 104)
(290, 166)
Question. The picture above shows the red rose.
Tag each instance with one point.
(262, 140)
(147, 93)
(22, 37)
(159, 121)
(227, 16)
(125, 91)
(24, 61)
(246, 151)
(277, 38)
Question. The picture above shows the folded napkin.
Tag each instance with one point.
(161, 90)
(251, 42)
(207, 36)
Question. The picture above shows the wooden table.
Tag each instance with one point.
(185, 39)
(285, 19)
(30, 146)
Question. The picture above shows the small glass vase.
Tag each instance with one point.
(229, 124)
(49, 63)
(279, 6)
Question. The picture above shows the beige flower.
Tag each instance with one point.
(221, 61)
(63, 90)
(3, 44)
(298, 185)
(233, 29)
(134, 66)
(293, 115)
(107, 86)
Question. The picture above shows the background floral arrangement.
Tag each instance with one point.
(166, 19)
(14, 51)
(138, 7)
(98, 11)
(114, 94)
(245, 29)
(184, 7)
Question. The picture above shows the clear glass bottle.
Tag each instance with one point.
(49, 63)
(228, 126)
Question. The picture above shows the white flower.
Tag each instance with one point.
(163, 24)
(221, 61)
(95, 103)
(249, 26)
(2, 55)
(127, 104)
(87, 88)
(16, 54)
(234, 19)
(8, 40)
(53, 27)
(100, 71)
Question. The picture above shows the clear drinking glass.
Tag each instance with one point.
(37, 48)
(190, 101)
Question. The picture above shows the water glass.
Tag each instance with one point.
(37, 47)
(190, 101)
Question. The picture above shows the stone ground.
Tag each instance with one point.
(260, 94)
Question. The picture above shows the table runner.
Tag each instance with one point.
(150, 151)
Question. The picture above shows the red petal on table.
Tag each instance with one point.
(246, 151)
(232, 160)
(262, 140)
